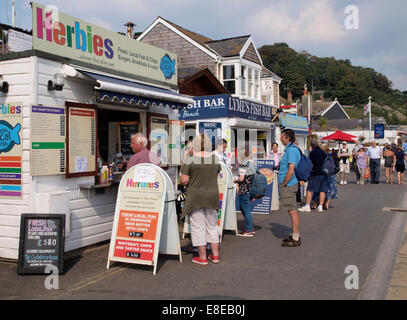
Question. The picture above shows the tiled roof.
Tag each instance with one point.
(228, 47)
(265, 73)
(193, 35)
(319, 107)
(184, 73)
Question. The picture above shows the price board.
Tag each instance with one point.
(42, 240)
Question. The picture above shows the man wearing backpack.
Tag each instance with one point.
(318, 182)
(289, 185)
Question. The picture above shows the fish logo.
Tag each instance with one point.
(8, 136)
(167, 66)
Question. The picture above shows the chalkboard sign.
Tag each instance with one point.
(42, 239)
(126, 129)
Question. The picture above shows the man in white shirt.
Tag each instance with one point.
(375, 154)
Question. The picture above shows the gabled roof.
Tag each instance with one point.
(350, 124)
(193, 35)
(331, 106)
(229, 47)
(188, 77)
(266, 73)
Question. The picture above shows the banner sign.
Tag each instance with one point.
(47, 140)
(65, 36)
(11, 150)
(139, 216)
(223, 106)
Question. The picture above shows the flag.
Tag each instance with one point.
(366, 110)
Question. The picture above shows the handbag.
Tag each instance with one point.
(367, 173)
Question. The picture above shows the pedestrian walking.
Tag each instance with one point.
(361, 163)
(138, 143)
(399, 158)
(332, 192)
(288, 184)
(389, 164)
(344, 163)
(375, 156)
(200, 174)
(247, 169)
(318, 182)
(220, 151)
(404, 146)
(355, 156)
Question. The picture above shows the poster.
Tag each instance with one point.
(213, 130)
(159, 138)
(176, 142)
(263, 205)
(47, 140)
(82, 140)
(11, 150)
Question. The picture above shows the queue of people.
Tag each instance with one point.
(200, 170)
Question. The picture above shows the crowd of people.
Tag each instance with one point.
(201, 167)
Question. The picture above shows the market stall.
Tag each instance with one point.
(71, 109)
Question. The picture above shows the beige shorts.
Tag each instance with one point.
(288, 198)
(204, 227)
(345, 167)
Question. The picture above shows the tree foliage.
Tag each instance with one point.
(352, 85)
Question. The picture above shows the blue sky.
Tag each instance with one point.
(317, 26)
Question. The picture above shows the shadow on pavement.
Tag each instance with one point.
(279, 231)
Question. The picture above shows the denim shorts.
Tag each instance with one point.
(318, 184)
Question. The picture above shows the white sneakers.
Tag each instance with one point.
(320, 209)
(305, 209)
(343, 182)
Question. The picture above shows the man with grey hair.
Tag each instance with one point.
(375, 155)
(318, 182)
(141, 153)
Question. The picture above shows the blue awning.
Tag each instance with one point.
(124, 91)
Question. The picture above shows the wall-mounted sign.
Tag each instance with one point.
(11, 150)
(212, 129)
(292, 121)
(65, 36)
(47, 140)
(223, 106)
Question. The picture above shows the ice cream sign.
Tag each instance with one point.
(69, 37)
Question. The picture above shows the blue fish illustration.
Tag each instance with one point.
(8, 136)
(167, 66)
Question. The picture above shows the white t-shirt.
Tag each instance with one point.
(374, 153)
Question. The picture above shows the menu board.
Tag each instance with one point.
(47, 140)
(81, 142)
(176, 142)
(11, 150)
(42, 239)
(138, 216)
(126, 129)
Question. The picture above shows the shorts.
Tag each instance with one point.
(288, 198)
(318, 184)
(400, 167)
(344, 167)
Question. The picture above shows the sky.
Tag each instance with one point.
(377, 38)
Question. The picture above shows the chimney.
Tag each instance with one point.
(289, 97)
(130, 27)
(305, 90)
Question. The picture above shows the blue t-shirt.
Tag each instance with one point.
(405, 147)
(291, 155)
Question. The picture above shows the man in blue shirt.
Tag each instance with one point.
(289, 185)
(405, 151)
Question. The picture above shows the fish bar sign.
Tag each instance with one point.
(42, 239)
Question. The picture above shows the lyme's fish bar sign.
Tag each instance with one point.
(11, 150)
(222, 106)
(69, 37)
